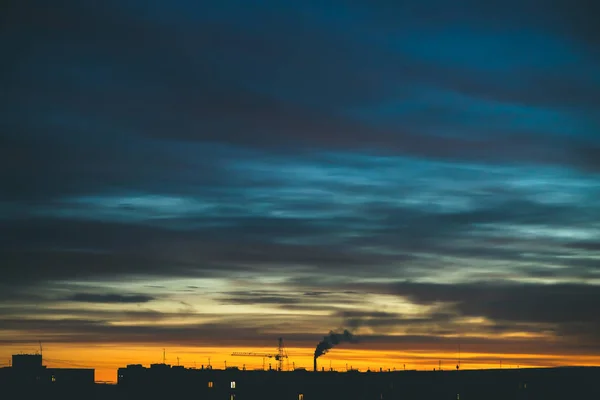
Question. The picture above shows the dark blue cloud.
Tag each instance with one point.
(308, 145)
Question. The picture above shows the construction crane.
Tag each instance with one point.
(279, 356)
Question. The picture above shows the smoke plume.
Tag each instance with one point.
(332, 340)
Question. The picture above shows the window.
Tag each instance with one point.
(210, 384)
(53, 378)
(233, 384)
(300, 396)
(232, 397)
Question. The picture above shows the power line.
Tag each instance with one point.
(73, 364)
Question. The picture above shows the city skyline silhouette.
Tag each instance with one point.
(182, 181)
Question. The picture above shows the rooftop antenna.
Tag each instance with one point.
(178, 361)
(209, 366)
(458, 365)
(164, 357)
(41, 351)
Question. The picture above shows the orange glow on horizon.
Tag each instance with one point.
(106, 359)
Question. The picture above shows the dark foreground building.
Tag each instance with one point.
(163, 381)
(27, 371)
(28, 379)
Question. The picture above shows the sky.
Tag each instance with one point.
(206, 177)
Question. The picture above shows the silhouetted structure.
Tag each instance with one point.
(27, 370)
(279, 356)
(26, 361)
(233, 384)
(329, 342)
(31, 380)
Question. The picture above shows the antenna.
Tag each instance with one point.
(178, 361)
(164, 357)
(41, 351)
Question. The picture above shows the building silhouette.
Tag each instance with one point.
(28, 378)
(28, 370)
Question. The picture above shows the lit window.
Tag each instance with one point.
(233, 384)
(300, 396)
(53, 378)
(232, 397)
(210, 384)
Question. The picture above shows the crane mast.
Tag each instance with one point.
(279, 356)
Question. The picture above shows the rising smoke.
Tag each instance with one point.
(332, 340)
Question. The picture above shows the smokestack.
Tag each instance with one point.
(315, 364)
(330, 341)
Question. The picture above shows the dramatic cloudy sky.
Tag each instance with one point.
(222, 173)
